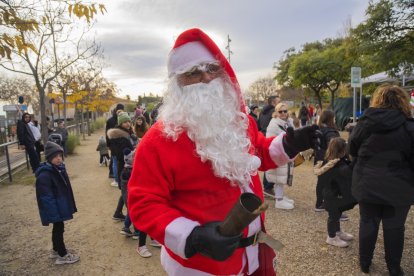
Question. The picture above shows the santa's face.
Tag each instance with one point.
(203, 73)
(209, 114)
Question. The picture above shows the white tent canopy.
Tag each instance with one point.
(384, 77)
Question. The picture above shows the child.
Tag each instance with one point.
(103, 152)
(55, 200)
(336, 178)
(125, 175)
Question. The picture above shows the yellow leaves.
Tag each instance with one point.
(88, 11)
(5, 51)
(7, 43)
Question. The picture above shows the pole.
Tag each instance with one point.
(360, 100)
(354, 107)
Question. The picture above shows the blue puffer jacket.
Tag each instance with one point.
(54, 194)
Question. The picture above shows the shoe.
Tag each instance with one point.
(114, 184)
(125, 231)
(344, 236)
(269, 192)
(364, 266)
(284, 205)
(344, 217)
(100, 164)
(143, 251)
(69, 258)
(135, 235)
(155, 243)
(396, 272)
(320, 208)
(336, 242)
(118, 217)
(291, 201)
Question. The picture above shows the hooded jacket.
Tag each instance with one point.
(336, 178)
(383, 145)
(54, 194)
(265, 117)
(24, 133)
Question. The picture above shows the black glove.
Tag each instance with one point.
(208, 241)
(300, 139)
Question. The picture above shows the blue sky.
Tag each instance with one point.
(138, 35)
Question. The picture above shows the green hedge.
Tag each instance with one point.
(99, 123)
(72, 142)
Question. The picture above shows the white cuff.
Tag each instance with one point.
(176, 234)
(277, 152)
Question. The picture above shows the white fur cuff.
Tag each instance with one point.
(176, 234)
(277, 152)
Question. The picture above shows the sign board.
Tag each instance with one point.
(356, 77)
(13, 107)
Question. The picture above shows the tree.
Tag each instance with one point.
(56, 31)
(261, 89)
(385, 40)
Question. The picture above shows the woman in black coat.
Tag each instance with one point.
(382, 144)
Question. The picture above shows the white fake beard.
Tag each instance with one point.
(210, 114)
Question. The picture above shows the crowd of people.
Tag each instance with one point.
(181, 176)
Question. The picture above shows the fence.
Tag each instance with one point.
(12, 157)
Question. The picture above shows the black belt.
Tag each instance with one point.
(252, 240)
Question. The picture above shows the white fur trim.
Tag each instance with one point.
(277, 152)
(176, 234)
(188, 56)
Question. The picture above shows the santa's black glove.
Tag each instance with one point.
(208, 241)
(300, 139)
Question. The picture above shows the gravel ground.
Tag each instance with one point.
(24, 243)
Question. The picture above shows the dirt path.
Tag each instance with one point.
(25, 244)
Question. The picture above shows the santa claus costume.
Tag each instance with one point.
(179, 181)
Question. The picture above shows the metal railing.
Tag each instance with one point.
(12, 157)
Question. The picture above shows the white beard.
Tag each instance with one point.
(210, 114)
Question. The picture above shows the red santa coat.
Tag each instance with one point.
(171, 191)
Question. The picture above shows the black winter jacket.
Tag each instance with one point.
(24, 134)
(265, 117)
(337, 186)
(54, 194)
(120, 139)
(382, 143)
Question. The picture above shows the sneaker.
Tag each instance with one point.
(125, 231)
(118, 217)
(336, 242)
(135, 235)
(291, 201)
(69, 258)
(143, 251)
(344, 236)
(344, 217)
(155, 243)
(269, 192)
(114, 184)
(320, 208)
(100, 164)
(283, 204)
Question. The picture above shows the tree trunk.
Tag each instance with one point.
(43, 123)
(64, 106)
(88, 121)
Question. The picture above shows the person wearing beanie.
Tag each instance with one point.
(120, 138)
(197, 160)
(27, 140)
(111, 123)
(56, 201)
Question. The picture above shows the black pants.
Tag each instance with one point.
(119, 206)
(393, 221)
(33, 157)
(319, 193)
(333, 223)
(101, 158)
(57, 238)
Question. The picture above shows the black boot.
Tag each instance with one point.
(364, 265)
(396, 272)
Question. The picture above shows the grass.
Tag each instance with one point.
(21, 176)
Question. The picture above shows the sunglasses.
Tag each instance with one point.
(282, 111)
(195, 74)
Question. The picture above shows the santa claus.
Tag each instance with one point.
(193, 164)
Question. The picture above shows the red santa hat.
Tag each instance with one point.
(194, 47)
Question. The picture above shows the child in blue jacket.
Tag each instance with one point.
(55, 200)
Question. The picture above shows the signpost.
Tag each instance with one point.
(355, 82)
